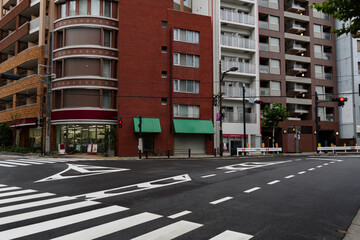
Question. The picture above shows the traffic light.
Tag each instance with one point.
(120, 123)
(258, 102)
(341, 101)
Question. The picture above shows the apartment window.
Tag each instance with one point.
(319, 89)
(82, 36)
(82, 67)
(187, 3)
(107, 38)
(186, 111)
(106, 68)
(358, 45)
(72, 8)
(106, 98)
(107, 8)
(275, 42)
(164, 49)
(164, 24)
(63, 10)
(186, 35)
(276, 86)
(82, 7)
(164, 74)
(274, 1)
(317, 28)
(186, 60)
(187, 86)
(60, 36)
(95, 7)
(317, 48)
(274, 63)
(318, 69)
(274, 20)
(81, 98)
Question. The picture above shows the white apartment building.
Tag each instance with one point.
(348, 69)
(236, 45)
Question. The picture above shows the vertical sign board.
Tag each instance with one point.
(62, 148)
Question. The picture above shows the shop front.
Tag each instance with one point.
(77, 137)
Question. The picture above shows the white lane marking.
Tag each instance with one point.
(5, 165)
(3, 185)
(16, 193)
(331, 162)
(252, 189)
(290, 176)
(311, 169)
(232, 235)
(136, 187)
(298, 160)
(9, 189)
(326, 159)
(27, 197)
(325, 164)
(14, 163)
(207, 176)
(302, 172)
(319, 166)
(273, 182)
(26, 161)
(249, 165)
(46, 211)
(230, 171)
(180, 214)
(57, 223)
(111, 227)
(34, 204)
(221, 200)
(81, 171)
(170, 232)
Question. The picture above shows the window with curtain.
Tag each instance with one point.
(72, 8)
(82, 7)
(81, 98)
(82, 36)
(186, 86)
(95, 7)
(186, 35)
(106, 98)
(107, 8)
(106, 68)
(63, 10)
(82, 67)
(186, 60)
(107, 38)
(186, 111)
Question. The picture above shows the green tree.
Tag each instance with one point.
(343, 10)
(271, 117)
(6, 134)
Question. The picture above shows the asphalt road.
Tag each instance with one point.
(271, 198)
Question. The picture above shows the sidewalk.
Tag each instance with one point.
(353, 233)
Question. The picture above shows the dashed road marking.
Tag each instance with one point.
(232, 235)
(319, 166)
(273, 182)
(180, 214)
(221, 200)
(252, 189)
(207, 176)
(290, 176)
(302, 172)
(230, 171)
(311, 169)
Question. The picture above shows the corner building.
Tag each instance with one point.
(297, 59)
(165, 76)
(85, 60)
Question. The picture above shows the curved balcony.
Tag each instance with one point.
(86, 20)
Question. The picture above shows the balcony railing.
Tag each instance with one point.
(326, 36)
(329, 117)
(238, 42)
(264, 46)
(237, 92)
(242, 67)
(231, 16)
(238, 117)
(327, 56)
(263, 24)
(264, 91)
(328, 76)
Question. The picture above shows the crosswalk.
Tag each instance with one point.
(30, 161)
(29, 214)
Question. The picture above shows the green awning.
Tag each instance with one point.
(193, 126)
(148, 125)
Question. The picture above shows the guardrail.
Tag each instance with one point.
(259, 150)
(339, 148)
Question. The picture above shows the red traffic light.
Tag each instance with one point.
(342, 99)
(120, 123)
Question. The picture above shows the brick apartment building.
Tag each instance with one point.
(297, 59)
(24, 39)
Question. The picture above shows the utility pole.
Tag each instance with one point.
(244, 116)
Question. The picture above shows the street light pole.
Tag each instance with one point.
(244, 116)
(221, 78)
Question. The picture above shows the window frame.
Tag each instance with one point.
(177, 86)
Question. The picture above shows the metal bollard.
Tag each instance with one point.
(146, 154)
(168, 152)
(139, 154)
(189, 152)
(214, 152)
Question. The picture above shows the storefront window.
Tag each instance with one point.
(35, 137)
(77, 137)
